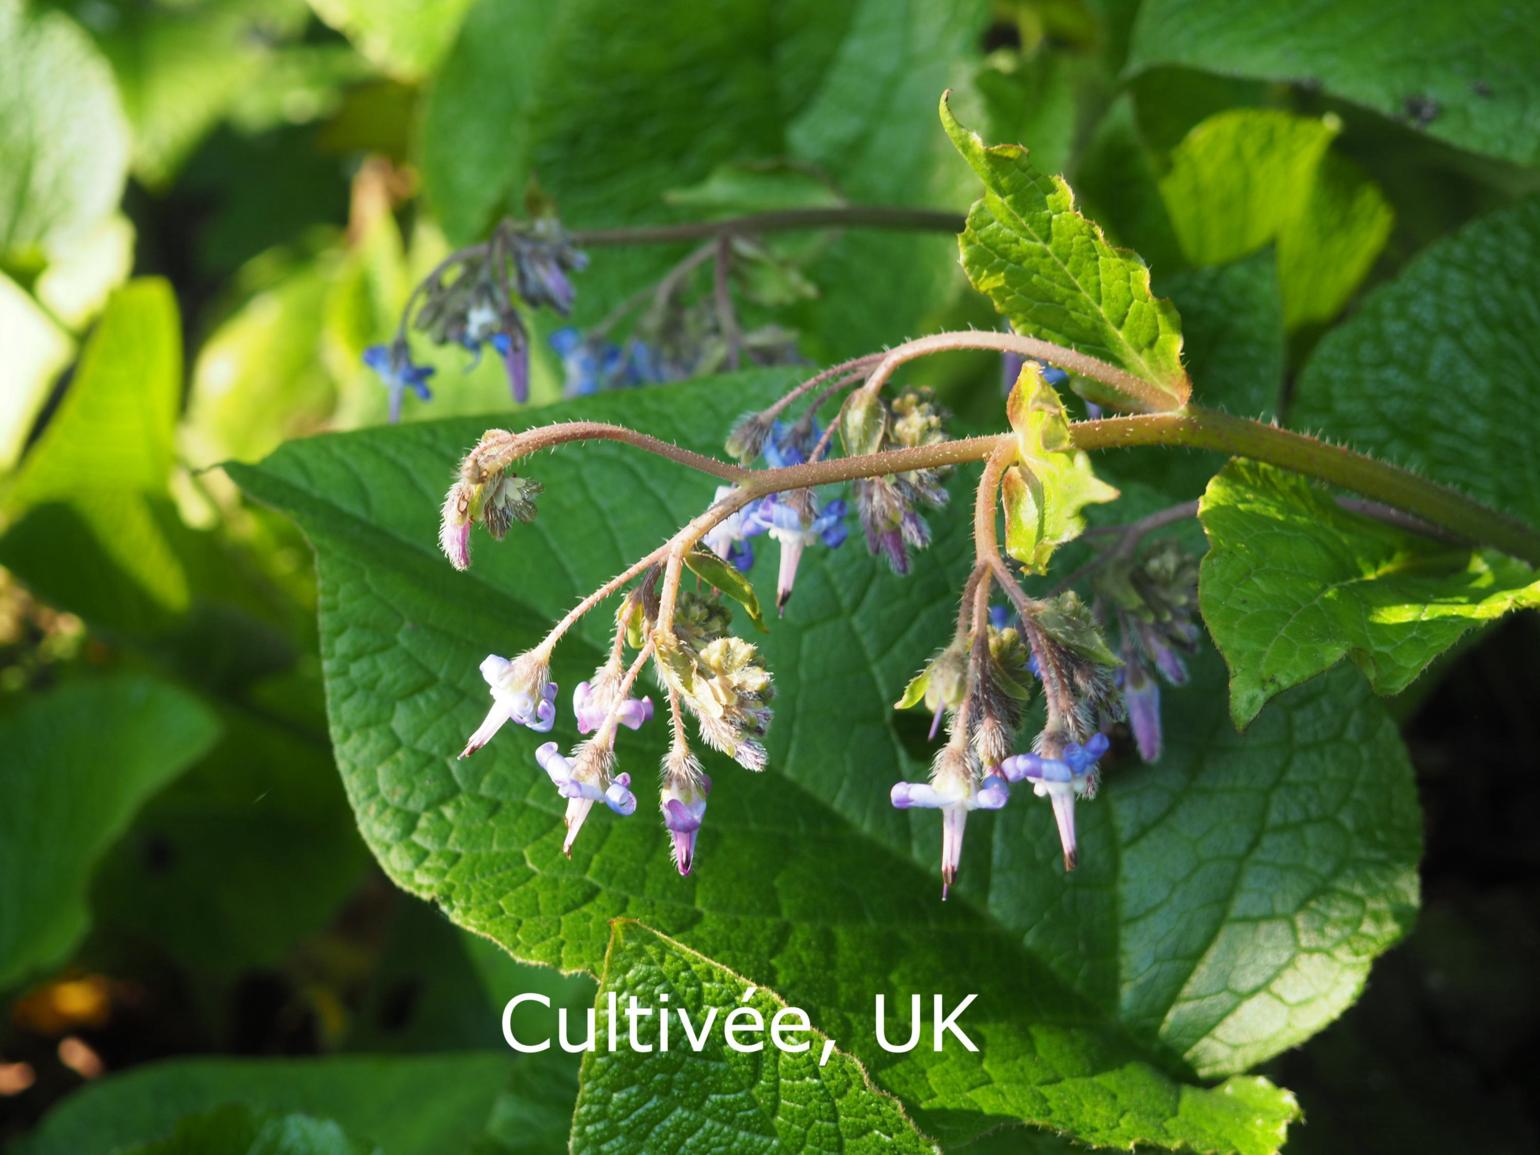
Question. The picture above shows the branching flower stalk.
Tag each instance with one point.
(896, 453)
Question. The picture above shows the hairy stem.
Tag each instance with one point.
(1142, 396)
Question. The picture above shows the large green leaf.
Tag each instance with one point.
(1250, 177)
(1051, 271)
(79, 761)
(411, 1105)
(1461, 72)
(1229, 902)
(407, 38)
(719, 1099)
(845, 90)
(1439, 370)
(63, 140)
(1292, 583)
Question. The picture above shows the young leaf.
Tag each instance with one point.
(1095, 990)
(79, 761)
(1052, 480)
(730, 580)
(1439, 371)
(1053, 274)
(1292, 583)
(1246, 178)
(1461, 72)
(720, 1099)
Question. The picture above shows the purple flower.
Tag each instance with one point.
(1141, 695)
(521, 692)
(583, 780)
(592, 702)
(684, 808)
(394, 365)
(795, 521)
(1061, 780)
(952, 791)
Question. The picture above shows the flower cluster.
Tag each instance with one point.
(474, 299)
(889, 505)
(794, 519)
(1154, 603)
(725, 687)
(496, 502)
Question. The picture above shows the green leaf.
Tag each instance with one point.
(1229, 901)
(726, 577)
(237, 1130)
(1437, 371)
(413, 1105)
(406, 38)
(1251, 177)
(1052, 481)
(1460, 72)
(1054, 275)
(116, 424)
(63, 140)
(36, 349)
(837, 89)
(1292, 583)
(79, 761)
(719, 1099)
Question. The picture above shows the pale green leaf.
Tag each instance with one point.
(1246, 178)
(1229, 901)
(1292, 584)
(1461, 72)
(36, 349)
(63, 139)
(79, 761)
(406, 38)
(719, 1099)
(1053, 274)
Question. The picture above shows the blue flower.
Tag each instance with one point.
(796, 521)
(1061, 780)
(593, 364)
(394, 365)
(789, 444)
(953, 790)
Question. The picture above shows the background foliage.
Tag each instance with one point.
(227, 783)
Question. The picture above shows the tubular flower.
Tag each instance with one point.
(396, 369)
(584, 779)
(795, 521)
(955, 788)
(1061, 778)
(522, 692)
(683, 802)
(728, 539)
(593, 700)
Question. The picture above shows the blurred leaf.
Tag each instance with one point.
(1053, 274)
(412, 1106)
(78, 762)
(1461, 72)
(407, 38)
(1246, 178)
(63, 140)
(1119, 187)
(81, 275)
(36, 350)
(1093, 988)
(116, 424)
(244, 855)
(237, 1130)
(846, 90)
(1292, 583)
(180, 67)
(1439, 370)
(720, 1099)
(731, 189)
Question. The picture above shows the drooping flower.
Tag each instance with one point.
(955, 787)
(889, 506)
(728, 539)
(497, 503)
(1061, 777)
(795, 521)
(393, 363)
(584, 779)
(683, 803)
(522, 692)
(593, 700)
